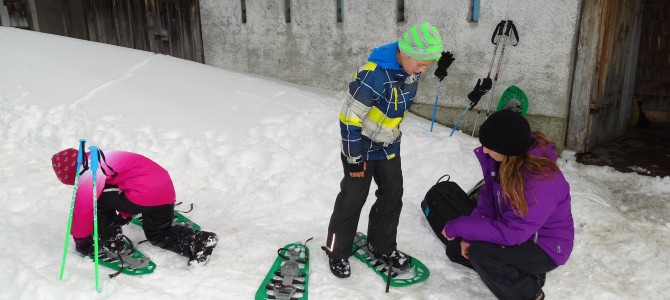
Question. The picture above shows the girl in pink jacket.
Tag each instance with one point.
(127, 184)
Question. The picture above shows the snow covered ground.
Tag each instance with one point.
(259, 159)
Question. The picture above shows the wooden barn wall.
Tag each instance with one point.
(652, 87)
(169, 27)
(19, 14)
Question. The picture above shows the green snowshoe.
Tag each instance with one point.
(129, 261)
(514, 99)
(178, 219)
(418, 272)
(288, 276)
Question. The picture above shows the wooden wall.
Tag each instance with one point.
(19, 14)
(169, 27)
(652, 86)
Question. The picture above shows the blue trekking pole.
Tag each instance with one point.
(94, 172)
(437, 93)
(459, 120)
(80, 158)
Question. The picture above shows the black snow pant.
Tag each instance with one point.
(510, 272)
(157, 220)
(384, 214)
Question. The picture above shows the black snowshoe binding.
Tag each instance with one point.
(121, 254)
(399, 262)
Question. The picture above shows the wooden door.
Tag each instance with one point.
(604, 77)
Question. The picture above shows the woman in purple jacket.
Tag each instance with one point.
(522, 226)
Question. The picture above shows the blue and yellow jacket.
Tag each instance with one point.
(376, 102)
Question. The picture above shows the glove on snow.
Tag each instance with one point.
(445, 61)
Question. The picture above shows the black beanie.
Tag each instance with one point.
(505, 132)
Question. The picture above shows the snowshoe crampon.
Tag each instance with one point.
(177, 219)
(417, 272)
(130, 261)
(287, 278)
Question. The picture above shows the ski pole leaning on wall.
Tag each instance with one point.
(489, 83)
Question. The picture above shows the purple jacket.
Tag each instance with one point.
(548, 222)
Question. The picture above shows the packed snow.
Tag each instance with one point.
(259, 160)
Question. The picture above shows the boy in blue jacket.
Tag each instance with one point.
(377, 100)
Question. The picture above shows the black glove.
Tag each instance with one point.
(477, 92)
(487, 83)
(356, 167)
(84, 245)
(445, 61)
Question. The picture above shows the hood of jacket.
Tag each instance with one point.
(386, 56)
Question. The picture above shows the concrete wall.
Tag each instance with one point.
(316, 50)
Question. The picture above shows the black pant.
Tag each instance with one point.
(157, 220)
(384, 214)
(509, 272)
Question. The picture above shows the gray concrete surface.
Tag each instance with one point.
(317, 51)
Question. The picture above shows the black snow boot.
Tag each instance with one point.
(203, 245)
(340, 267)
(186, 241)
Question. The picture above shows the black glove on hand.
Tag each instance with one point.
(487, 83)
(356, 167)
(477, 92)
(445, 61)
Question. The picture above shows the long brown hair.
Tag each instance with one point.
(512, 170)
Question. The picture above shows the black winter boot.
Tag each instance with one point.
(340, 267)
(203, 245)
(186, 241)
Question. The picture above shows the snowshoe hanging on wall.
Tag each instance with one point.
(514, 99)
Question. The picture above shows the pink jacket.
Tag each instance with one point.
(143, 181)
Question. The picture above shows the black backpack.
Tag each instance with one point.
(446, 201)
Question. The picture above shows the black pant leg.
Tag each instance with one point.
(509, 272)
(385, 212)
(453, 250)
(347, 210)
(157, 221)
(107, 229)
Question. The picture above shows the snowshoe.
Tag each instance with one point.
(514, 99)
(178, 219)
(288, 276)
(125, 259)
(397, 277)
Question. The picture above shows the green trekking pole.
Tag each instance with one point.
(80, 158)
(94, 172)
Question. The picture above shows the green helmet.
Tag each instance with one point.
(421, 42)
